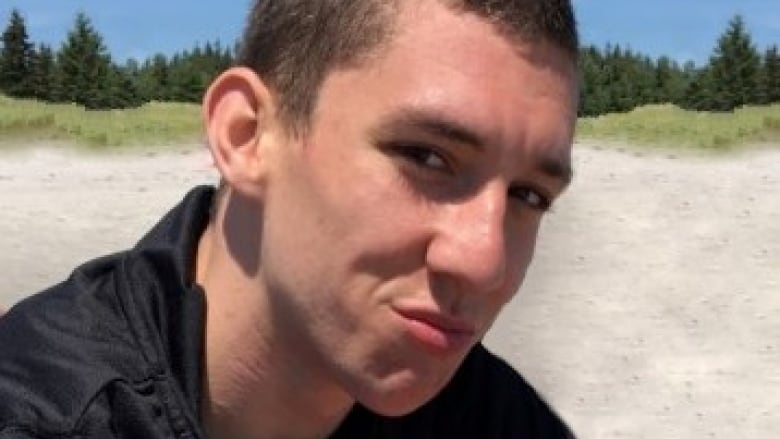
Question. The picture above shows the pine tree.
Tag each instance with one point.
(592, 90)
(43, 76)
(119, 90)
(619, 80)
(770, 76)
(733, 69)
(132, 74)
(700, 93)
(629, 80)
(184, 76)
(154, 79)
(187, 79)
(84, 66)
(16, 58)
(670, 81)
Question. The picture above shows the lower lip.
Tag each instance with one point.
(439, 340)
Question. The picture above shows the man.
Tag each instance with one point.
(385, 169)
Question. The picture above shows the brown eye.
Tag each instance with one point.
(422, 156)
(530, 197)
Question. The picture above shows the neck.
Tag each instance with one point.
(256, 384)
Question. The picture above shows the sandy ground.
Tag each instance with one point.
(651, 311)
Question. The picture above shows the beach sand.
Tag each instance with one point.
(652, 309)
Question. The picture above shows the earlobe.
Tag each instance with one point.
(237, 109)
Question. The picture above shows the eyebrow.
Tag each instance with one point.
(437, 125)
(557, 168)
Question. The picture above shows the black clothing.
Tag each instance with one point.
(116, 351)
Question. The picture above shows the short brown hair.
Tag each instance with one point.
(294, 44)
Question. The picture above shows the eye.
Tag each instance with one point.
(531, 197)
(422, 156)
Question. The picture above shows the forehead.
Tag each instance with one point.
(429, 31)
(447, 62)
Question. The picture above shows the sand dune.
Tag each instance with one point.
(651, 311)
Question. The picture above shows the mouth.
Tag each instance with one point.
(439, 333)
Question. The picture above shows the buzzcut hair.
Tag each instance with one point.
(294, 44)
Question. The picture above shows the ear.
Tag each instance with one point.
(238, 111)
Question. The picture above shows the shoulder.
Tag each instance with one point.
(60, 349)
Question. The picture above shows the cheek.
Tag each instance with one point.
(336, 218)
(520, 251)
(364, 201)
(521, 246)
(527, 242)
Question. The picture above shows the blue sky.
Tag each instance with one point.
(684, 30)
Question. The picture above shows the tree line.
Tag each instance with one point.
(614, 79)
(82, 70)
(737, 74)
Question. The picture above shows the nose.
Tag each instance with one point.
(470, 243)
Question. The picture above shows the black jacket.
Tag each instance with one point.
(116, 351)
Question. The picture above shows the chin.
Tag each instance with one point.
(401, 395)
(396, 407)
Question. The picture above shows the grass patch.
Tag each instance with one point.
(664, 126)
(152, 124)
(670, 127)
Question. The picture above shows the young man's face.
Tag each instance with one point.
(394, 233)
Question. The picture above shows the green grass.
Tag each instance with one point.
(670, 127)
(23, 121)
(155, 124)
